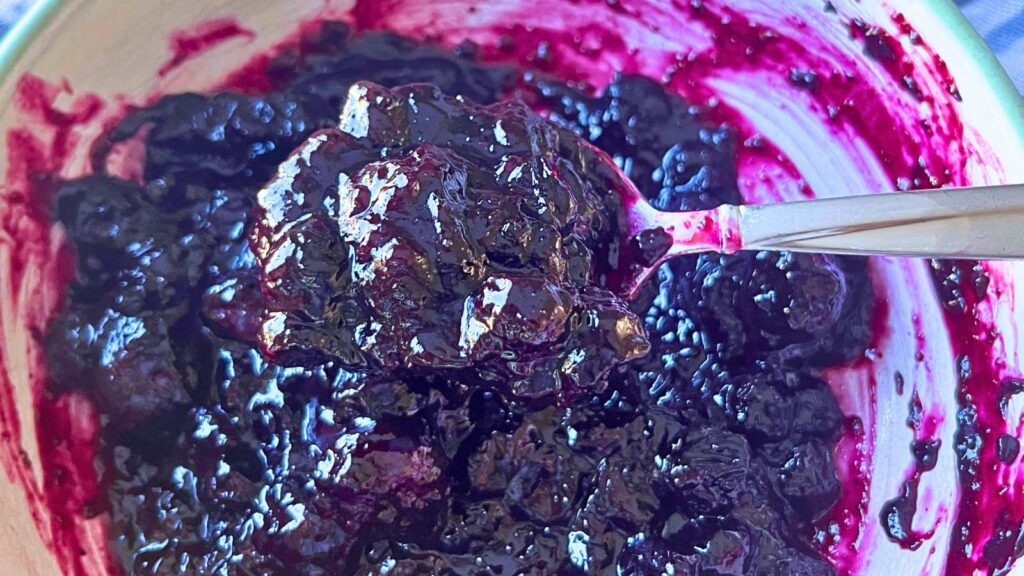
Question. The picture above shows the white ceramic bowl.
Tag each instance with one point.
(113, 49)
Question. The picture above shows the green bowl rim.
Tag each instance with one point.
(1002, 86)
(17, 39)
(16, 42)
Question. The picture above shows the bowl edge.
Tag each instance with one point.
(14, 44)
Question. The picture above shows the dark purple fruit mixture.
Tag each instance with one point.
(426, 233)
(268, 411)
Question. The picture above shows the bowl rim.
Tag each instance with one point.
(1006, 95)
(14, 44)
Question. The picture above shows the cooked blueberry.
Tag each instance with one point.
(760, 409)
(791, 309)
(675, 159)
(230, 137)
(125, 363)
(807, 479)
(711, 471)
(130, 256)
(1007, 448)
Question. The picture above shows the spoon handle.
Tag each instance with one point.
(982, 223)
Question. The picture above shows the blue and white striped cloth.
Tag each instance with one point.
(10, 10)
(1001, 23)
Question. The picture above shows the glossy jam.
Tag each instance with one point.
(428, 233)
(712, 453)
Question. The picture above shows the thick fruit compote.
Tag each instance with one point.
(447, 389)
(427, 233)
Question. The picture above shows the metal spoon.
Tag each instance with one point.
(974, 223)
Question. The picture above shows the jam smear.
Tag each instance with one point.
(897, 515)
(988, 523)
(191, 43)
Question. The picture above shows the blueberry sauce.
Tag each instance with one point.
(312, 407)
(199, 444)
